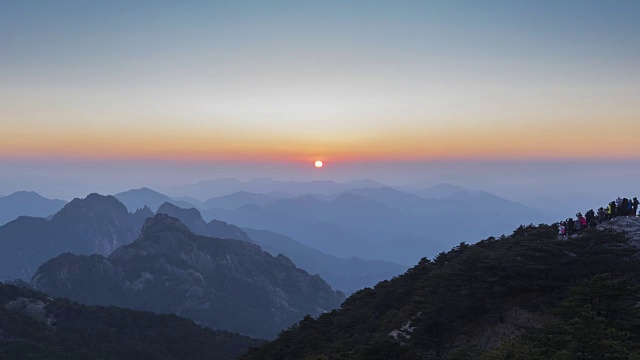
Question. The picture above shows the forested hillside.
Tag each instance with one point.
(528, 295)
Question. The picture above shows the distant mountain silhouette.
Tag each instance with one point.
(433, 188)
(236, 200)
(329, 238)
(188, 199)
(347, 275)
(486, 213)
(399, 200)
(139, 198)
(385, 223)
(27, 203)
(35, 326)
(483, 211)
(97, 224)
(193, 220)
(221, 283)
(348, 225)
(439, 191)
(221, 187)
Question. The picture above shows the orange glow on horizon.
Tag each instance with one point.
(516, 141)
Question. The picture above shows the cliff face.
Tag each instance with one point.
(221, 283)
(94, 225)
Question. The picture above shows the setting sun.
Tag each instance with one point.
(318, 164)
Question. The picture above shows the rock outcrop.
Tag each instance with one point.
(628, 225)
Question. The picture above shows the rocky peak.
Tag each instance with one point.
(221, 229)
(190, 217)
(94, 205)
(193, 220)
(169, 208)
(141, 215)
(163, 224)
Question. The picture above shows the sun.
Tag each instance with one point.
(318, 164)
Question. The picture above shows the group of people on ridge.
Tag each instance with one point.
(619, 207)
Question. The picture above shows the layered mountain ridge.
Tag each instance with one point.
(221, 283)
(384, 223)
(135, 199)
(94, 225)
(347, 275)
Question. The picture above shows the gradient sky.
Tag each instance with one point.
(341, 81)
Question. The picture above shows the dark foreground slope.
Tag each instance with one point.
(221, 283)
(526, 296)
(33, 326)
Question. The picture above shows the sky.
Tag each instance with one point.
(268, 87)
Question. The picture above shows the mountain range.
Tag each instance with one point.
(236, 200)
(526, 295)
(100, 224)
(220, 187)
(346, 226)
(221, 283)
(384, 223)
(139, 198)
(427, 191)
(371, 222)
